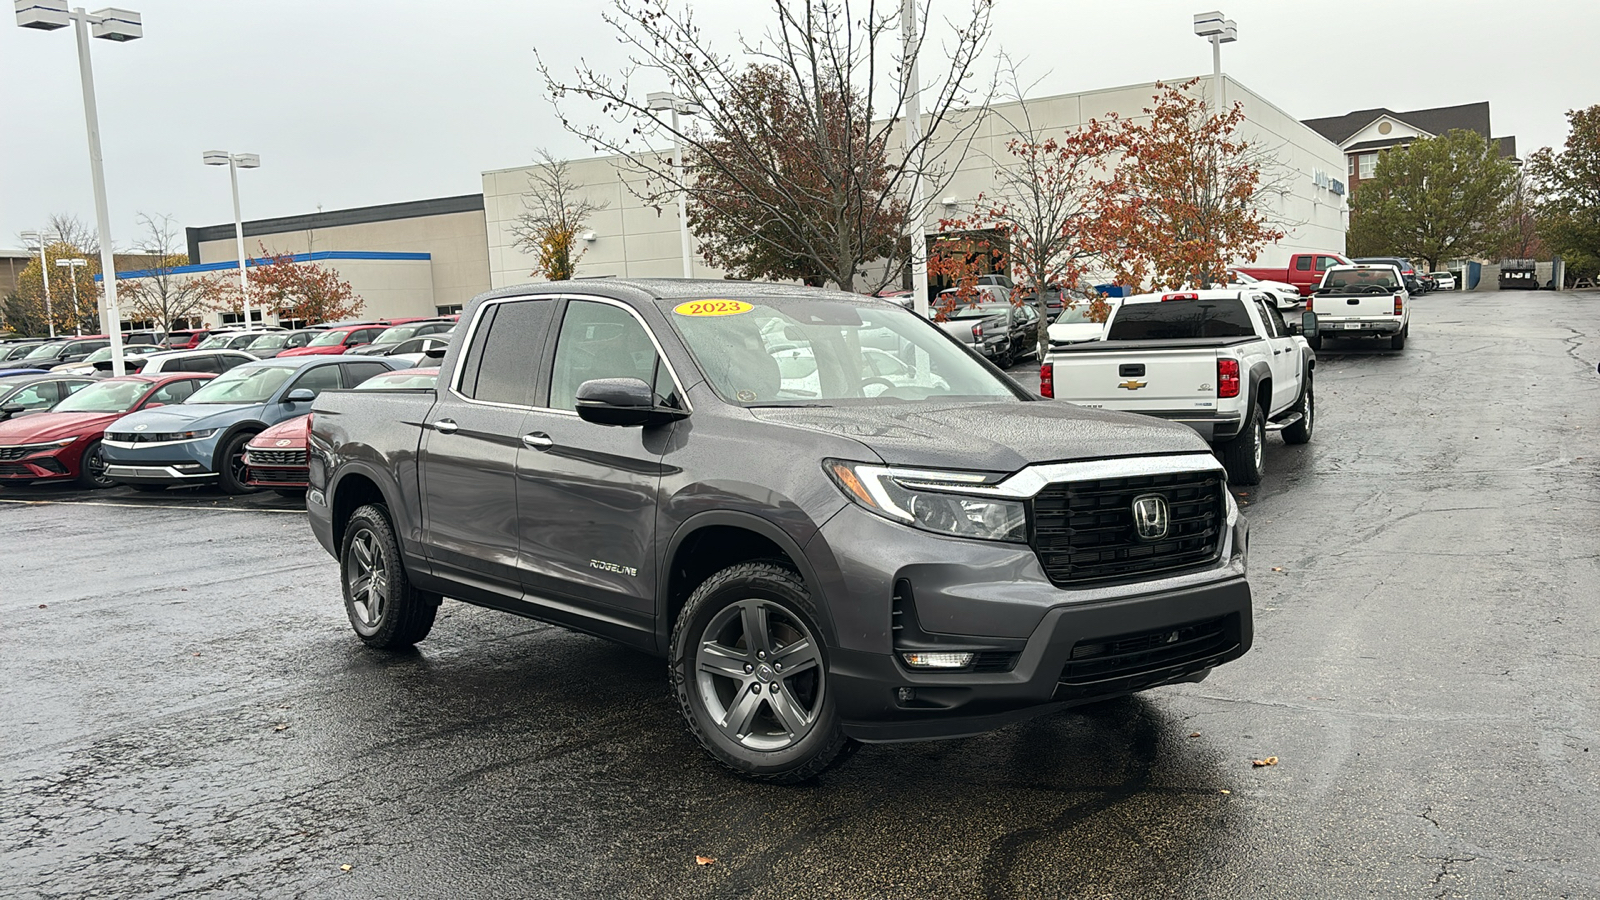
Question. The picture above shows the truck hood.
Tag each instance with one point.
(182, 417)
(45, 427)
(998, 436)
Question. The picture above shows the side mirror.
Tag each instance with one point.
(1308, 324)
(436, 351)
(11, 409)
(627, 402)
(300, 395)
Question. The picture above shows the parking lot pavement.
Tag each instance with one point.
(185, 710)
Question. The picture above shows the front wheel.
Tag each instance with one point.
(750, 672)
(1243, 456)
(231, 468)
(386, 611)
(92, 467)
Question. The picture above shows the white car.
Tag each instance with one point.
(137, 362)
(1284, 295)
(1444, 281)
(882, 371)
(1074, 326)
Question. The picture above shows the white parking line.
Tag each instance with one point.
(143, 506)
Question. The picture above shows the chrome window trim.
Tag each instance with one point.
(1031, 480)
(472, 332)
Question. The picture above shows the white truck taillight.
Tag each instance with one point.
(977, 332)
(1047, 380)
(1227, 377)
(1399, 304)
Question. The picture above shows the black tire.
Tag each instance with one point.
(1244, 456)
(719, 673)
(1005, 359)
(385, 609)
(1300, 432)
(231, 470)
(149, 488)
(1398, 342)
(92, 468)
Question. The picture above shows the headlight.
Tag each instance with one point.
(918, 498)
(192, 435)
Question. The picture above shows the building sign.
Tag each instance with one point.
(1328, 183)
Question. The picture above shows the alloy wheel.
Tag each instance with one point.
(1259, 436)
(94, 463)
(368, 578)
(758, 670)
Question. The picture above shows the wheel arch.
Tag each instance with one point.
(251, 427)
(736, 537)
(355, 486)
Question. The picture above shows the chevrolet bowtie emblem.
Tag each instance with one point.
(1132, 385)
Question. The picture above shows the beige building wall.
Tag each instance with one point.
(456, 241)
(632, 240)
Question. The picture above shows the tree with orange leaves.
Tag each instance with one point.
(303, 291)
(1188, 197)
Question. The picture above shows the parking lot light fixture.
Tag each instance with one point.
(235, 162)
(43, 238)
(1219, 30)
(666, 101)
(120, 25)
(72, 265)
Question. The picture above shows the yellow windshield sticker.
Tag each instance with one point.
(712, 308)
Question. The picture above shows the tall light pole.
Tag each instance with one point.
(72, 265)
(235, 162)
(119, 25)
(44, 272)
(914, 228)
(660, 101)
(1219, 30)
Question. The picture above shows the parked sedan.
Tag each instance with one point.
(1283, 294)
(277, 458)
(64, 444)
(22, 395)
(203, 439)
(269, 345)
(18, 349)
(68, 350)
(1074, 326)
(386, 342)
(1444, 281)
(336, 341)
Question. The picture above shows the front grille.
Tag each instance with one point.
(15, 470)
(1127, 655)
(1083, 531)
(277, 476)
(9, 453)
(276, 457)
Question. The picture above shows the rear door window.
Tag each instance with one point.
(355, 373)
(317, 379)
(1303, 264)
(508, 346)
(226, 361)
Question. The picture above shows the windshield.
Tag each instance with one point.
(45, 351)
(799, 351)
(107, 396)
(268, 342)
(243, 385)
(101, 355)
(399, 381)
(1360, 281)
(329, 339)
(215, 341)
(397, 334)
(1173, 319)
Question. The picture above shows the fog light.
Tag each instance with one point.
(938, 660)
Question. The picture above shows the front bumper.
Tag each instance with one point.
(176, 462)
(891, 588)
(58, 463)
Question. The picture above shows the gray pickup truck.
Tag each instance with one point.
(823, 558)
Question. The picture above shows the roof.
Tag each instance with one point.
(360, 215)
(1469, 117)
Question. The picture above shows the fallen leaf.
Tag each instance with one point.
(1269, 761)
(282, 725)
(346, 867)
(183, 589)
(43, 606)
(1277, 568)
(1225, 791)
(704, 860)
(1194, 734)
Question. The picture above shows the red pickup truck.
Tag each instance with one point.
(1304, 271)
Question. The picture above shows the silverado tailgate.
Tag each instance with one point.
(1353, 306)
(1138, 376)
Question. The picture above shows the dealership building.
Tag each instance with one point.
(429, 257)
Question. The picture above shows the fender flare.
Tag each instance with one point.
(750, 522)
(387, 490)
(1259, 373)
(250, 425)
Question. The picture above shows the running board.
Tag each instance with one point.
(1285, 422)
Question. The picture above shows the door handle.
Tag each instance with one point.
(446, 426)
(538, 441)
(1276, 352)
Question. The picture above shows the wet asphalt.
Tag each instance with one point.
(184, 711)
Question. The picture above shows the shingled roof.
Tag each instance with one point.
(1470, 116)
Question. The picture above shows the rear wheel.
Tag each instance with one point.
(1300, 432)
(231, 468)
(92, 467)
(384, 608)
(1398, 342)
(1243, 456)
(750, 672)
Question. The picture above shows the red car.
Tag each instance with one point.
(64, 443)
(334, 341)
(276, 458)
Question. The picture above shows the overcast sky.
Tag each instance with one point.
(352, 103)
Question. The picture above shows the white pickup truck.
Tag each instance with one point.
(1368, 301)
(1223, 362)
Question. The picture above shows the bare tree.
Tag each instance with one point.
(554, 212)
(844, 63)
(165, 296)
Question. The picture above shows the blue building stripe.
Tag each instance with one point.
(251, 262)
